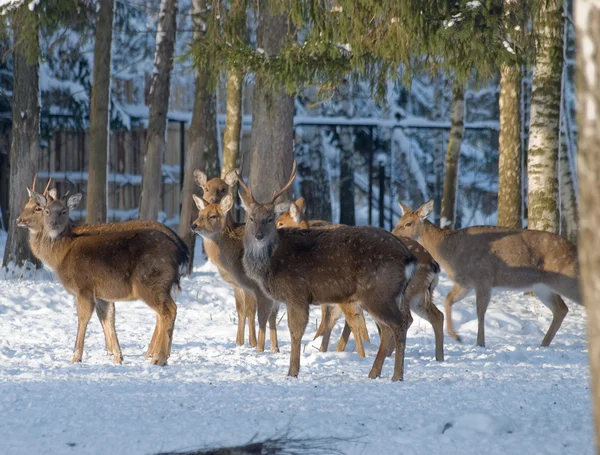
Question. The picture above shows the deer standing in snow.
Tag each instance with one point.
(488, 257)
(109, 265)
(363, 265)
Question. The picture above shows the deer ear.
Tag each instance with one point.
(226, 204)
(74, 201)
(200, 203)
(231, 178)
(39, 199)
(295, 212)
(200, 178)
(29, 192)
(53, 194)
(281, 208)
(425, 209)
(403, 208)
(245, 201)
(301, 204)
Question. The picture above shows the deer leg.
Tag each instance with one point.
(483, 296)
(330, 317)
(297, 321)
(167, 311)
(352, 313)
(457, 293)
(384, 347)
(152, 345)
(362, 325)
(250, 310)
(241, 313)
(341, 346)
(85, 308)
(324, 313)
(424, 307)
(273, 327)
(264, 307)
(559, 309)
(106, 313)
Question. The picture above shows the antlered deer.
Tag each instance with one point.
(213, 190)
(128, 264)
(487, 257)
(223, 243)
(362, 265)
(419, 292)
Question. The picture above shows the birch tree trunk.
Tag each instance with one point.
(159, 106)
(457, 131)
(233, 121)
(203, 148)
(25, 145)
(509, 148)
(542, 157)
(96, 202)
(271, 143)
(587, 23)
(568, 201)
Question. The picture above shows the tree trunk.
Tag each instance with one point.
(271, 144)
(96, 203)
(542, 158)
(587, 23)
(314, 178)
(457, 131)
(159, 107)
(568, 201)
(25, 146)
(509, 148)
(233, 121)
(203, 148)
(346, 144)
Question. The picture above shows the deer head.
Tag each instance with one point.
(31, 217)
(212, 217)
(295, 216)
(412, 222)
(217, 188)
(260, 222)
(56, 212)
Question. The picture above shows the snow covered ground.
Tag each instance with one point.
(511, 397)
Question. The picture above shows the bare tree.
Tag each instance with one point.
(159, 107)
(587, 25)
(96, 203)
(25, 145)
(233, 120)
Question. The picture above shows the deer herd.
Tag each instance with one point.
(278, 256)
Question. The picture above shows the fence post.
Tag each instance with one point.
(181, 156)
(371, 145)
(381, 195)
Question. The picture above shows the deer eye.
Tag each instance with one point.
(64, 212)
(38, 209)
(47, 212)
(270, 220)
(213, 217)
(252, 219)
(409, 224)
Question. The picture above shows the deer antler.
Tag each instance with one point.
(247, 189)
(45, 193)
(34, 182)
(287, 185)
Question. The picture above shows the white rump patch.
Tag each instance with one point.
(409, 270)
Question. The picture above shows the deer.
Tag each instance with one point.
(213, 190)
(128, 264)
(419, 292)
(223, 243)
(300, 267)
(487, 257)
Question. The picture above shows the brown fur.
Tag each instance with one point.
(224, 246)
(487, 257)
(112, 265)
(363, 265)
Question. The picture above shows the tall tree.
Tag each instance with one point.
(203, 148)
(457, 131)
(568, 201)
(25, 145)
(587, 23)
(96, 203)
(159, 107)
(272, 114)
(542, 156)
(345, 143)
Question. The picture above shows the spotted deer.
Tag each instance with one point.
(419, 292)
(213, 190)
(300, 267)
(487, 257)
(125, 264)
(223, 243)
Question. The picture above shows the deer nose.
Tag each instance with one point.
(194, 226)
(258, 236)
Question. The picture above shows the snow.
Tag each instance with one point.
(511, 397)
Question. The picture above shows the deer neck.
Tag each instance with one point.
(257, 257)
(51, 251)
(224, 248)
(433, 238)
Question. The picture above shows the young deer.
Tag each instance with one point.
(213, 190)
(419, 292)
(362, 265)
(223, 243)
(294, 217)
(128, 264)
(488, 257)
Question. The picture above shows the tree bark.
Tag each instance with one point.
(568, 202)
(509, 148)
(587, 23)
(233, 120)
(542, 157)
(203, 148)
(96, 202)
(457, 131)
(346, 144)
(159, 107)
(271, 143)
(25, 145)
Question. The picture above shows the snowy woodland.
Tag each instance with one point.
(135, 116)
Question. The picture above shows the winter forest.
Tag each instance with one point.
(417, 179)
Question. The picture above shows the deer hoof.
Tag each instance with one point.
(397, 377)
(373, 374)
(160, 360)
(76, 358)
(275, 349)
